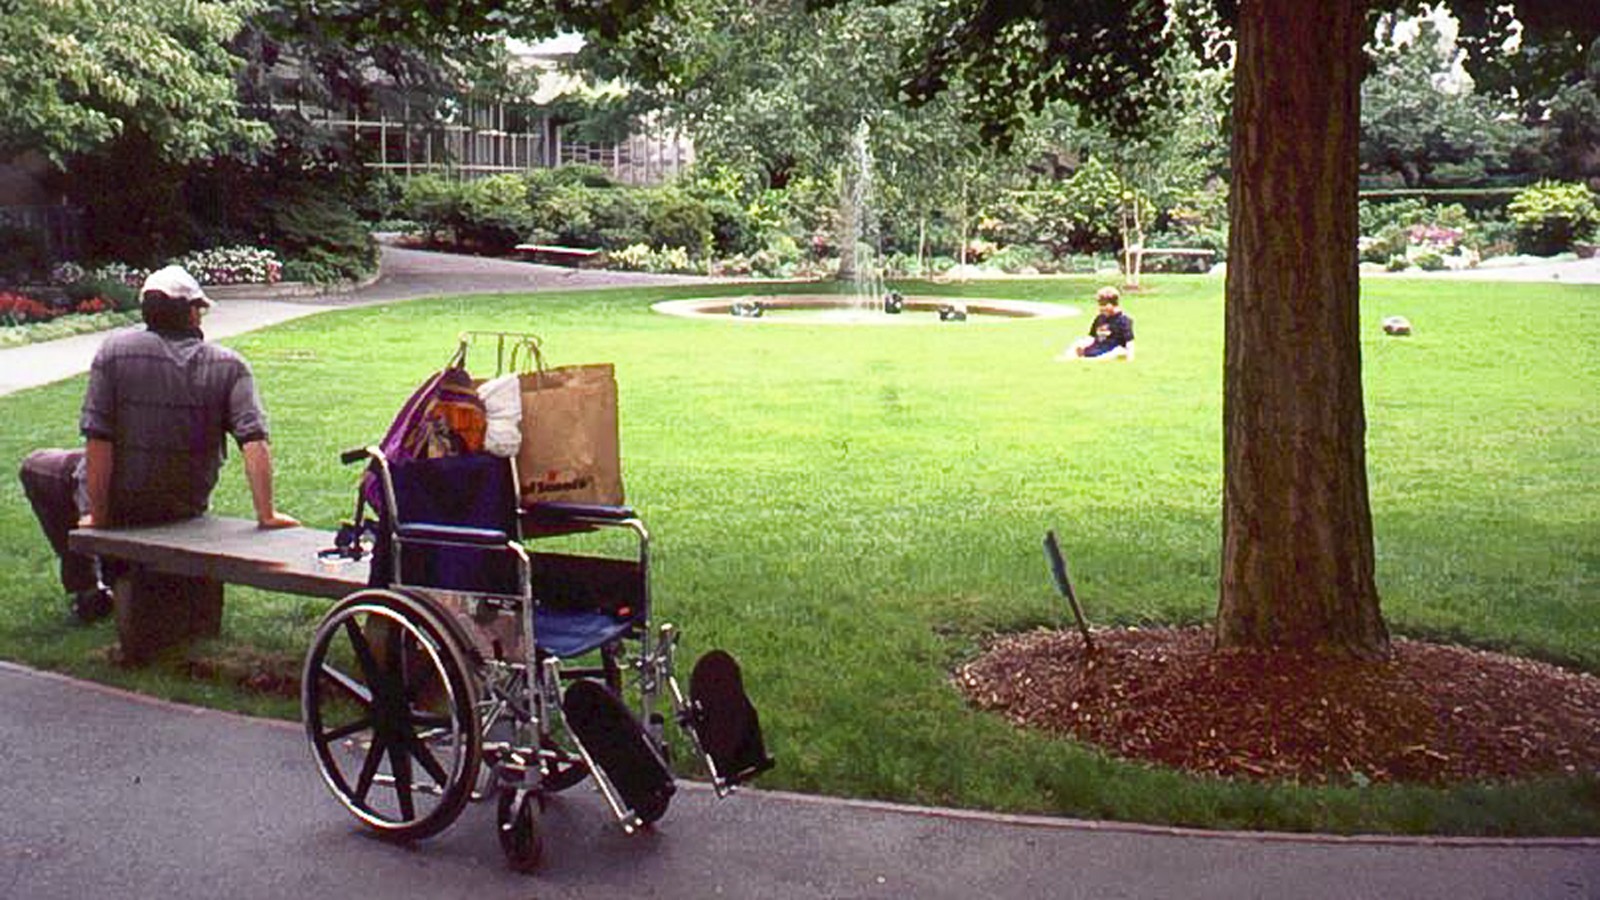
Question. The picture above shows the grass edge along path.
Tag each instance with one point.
(851, 511)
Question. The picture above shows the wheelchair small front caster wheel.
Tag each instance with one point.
(520, 837)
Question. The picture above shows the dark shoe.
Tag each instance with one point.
(91, 605)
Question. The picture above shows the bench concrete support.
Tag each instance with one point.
(171, 587)
(157, 610)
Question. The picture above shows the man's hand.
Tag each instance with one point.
(277, 520)
(86, 520)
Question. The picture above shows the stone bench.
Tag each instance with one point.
(1196, 258)
(172, 590)
(573, 256)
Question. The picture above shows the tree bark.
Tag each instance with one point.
(1297, 558)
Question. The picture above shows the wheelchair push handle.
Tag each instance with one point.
(360, 454)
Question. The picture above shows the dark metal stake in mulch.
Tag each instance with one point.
(1058, 568)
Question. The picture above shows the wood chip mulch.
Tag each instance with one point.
(1430, 713)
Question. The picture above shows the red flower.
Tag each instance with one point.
(15, 309)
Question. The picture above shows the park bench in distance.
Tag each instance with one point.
(564, 256)
(173, 591)
(1195, 259)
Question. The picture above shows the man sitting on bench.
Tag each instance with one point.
(158, 406)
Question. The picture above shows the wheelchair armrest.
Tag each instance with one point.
(452, 534)
(549, 515)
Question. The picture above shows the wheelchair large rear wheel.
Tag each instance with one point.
(389, 702)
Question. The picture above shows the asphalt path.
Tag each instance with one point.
(111, 795)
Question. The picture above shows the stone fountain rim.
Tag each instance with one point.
(983, 309)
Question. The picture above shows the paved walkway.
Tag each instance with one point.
(107, 794)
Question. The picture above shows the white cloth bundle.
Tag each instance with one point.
(502, 401)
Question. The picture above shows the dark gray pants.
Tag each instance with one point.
(50, 479)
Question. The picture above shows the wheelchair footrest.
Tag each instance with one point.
(619, 747)
(725, 721)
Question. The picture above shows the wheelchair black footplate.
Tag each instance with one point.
(619, 747)
(725, 721)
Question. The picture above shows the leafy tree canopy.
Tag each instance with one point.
(75, 74)
(1111, 60)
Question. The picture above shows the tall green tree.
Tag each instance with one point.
(77, 74)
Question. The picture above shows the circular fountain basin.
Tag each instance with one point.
(841, 309)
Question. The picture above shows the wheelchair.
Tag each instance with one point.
(474, 668)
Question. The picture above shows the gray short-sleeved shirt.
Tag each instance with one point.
(165, 400)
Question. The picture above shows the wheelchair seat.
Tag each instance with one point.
(566, 633)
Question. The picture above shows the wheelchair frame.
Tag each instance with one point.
(427, 696)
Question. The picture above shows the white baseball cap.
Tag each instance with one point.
(178, 284)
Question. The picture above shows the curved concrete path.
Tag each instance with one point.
(108, 794)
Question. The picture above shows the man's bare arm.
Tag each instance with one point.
(99, 460)
(258, 472)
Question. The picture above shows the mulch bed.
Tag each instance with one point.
(1431, 713)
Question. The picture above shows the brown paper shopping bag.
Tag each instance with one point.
(570, 451)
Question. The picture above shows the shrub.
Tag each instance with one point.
(679, 221)
(322, 230)
(578, 175)
(733, 229)
(380, 197)
(778, 259)
(1429, 261)
(24, 253)
(1397, 264)
(118, 293)
(1550, 215)
(433, 202)
(619, 216)
(564, 214)
(494, 212)
(641, 258)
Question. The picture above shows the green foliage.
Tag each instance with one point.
(571, 175)
(432, 201)
(122, 296)
(1429, 261)
(24, 254)
(63, 326)
(565, 215)
(1079, 214)
(320, 236)
(680, 221)
(494, 212)
(135, 199)
(1415, 126)
(76, 74)
(1550, 215)
(643, 258)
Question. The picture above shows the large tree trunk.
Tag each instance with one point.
(1297, 559)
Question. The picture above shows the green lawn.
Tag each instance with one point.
(851, 511)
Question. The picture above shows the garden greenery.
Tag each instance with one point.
(1550, 216)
